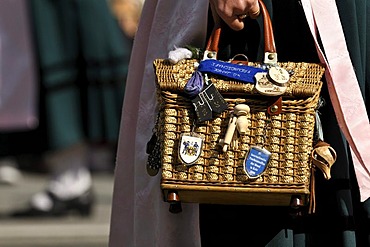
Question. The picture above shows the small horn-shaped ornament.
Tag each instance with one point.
(323, 157)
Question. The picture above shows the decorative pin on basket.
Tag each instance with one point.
(230, 133)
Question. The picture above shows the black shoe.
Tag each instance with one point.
(81, 205)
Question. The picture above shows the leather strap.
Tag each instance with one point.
(275, 107)
(343, 86)
(267, 27)
(213, 41)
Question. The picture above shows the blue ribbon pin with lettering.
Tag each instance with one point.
(239, 72)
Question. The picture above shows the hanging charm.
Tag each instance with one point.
(238, 121)
(207, 102)
(153, 148)
(202, 108)
(214, 99)
(190, 148)
(323, 156)
(256, 162)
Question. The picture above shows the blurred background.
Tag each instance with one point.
(63, 67)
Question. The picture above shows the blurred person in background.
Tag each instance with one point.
(82, 56)
(18, 87)
(128, 14)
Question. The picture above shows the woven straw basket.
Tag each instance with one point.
(218, 177)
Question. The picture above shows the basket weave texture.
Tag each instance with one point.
(289, 136)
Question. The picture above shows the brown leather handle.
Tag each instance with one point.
(212, 44)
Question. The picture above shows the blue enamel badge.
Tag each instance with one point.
(256, 161)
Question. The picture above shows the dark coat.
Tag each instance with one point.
(340, 219)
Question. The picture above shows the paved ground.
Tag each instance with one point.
(70, 231)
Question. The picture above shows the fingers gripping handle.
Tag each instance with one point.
(213, 41)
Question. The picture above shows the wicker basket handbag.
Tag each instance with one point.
(281, 126)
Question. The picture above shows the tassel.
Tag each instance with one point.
(195, 84)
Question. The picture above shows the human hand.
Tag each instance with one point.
(233, 12)
(127, 13)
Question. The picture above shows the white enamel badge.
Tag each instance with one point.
(190, 148)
